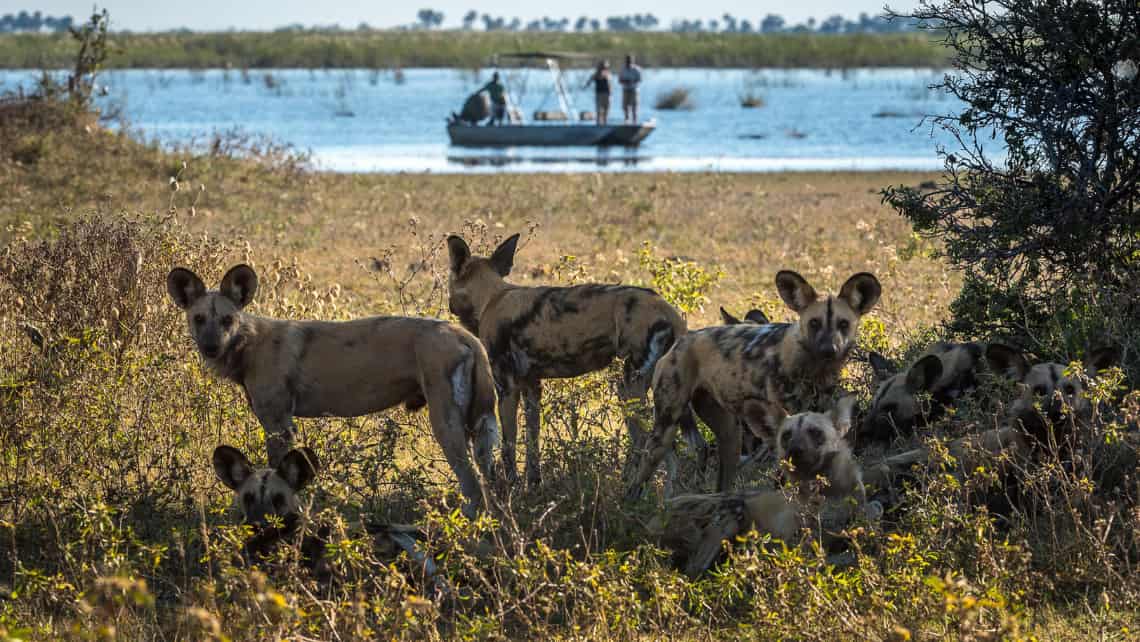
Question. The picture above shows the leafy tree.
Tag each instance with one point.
(429, 18)
(469, 19)
(1047, 237)
(772, 23)
(581, 24)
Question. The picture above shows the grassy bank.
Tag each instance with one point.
(113, 524)
(386, 49)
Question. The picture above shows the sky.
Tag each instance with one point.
(207, 15)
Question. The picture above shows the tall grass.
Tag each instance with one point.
(392, 49)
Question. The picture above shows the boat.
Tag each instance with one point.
(548, 128)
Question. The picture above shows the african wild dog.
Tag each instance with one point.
(345, 369)
(944, 370)
(536, 333)
(724, 371)
(812, 443)
(695, 527)
(267, 499)
(1050, 386)
(1051, 404)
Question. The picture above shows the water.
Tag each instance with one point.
(370, 121)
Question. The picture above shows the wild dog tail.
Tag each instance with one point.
(481, 419)
(660, 338)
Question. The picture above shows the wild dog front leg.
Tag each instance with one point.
(274, 409)
(532, 408)
(660, 442)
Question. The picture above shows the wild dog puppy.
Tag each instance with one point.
(812, 444)
(267, 499)
(345, 369)
(724, 371)
(536, 333)
(944, 370)
(694, 526)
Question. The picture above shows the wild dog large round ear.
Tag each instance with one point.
(184, 287)
(239, 285)
(503, 259)
(794, 290)
(924, 373)
(757, 316)
(842, 413)
(1007, 361)
(458, 252)
(231, 466)
(881, 367)
(1101, 358)
(862, 292)
(299, 467)
(727, 317)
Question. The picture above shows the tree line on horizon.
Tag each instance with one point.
(472, 20)
(34, 21)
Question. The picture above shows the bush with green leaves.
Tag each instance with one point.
(1047, 235)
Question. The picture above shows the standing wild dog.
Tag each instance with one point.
(536, 333)
(724, 371)
(944, 370)
(344, 369)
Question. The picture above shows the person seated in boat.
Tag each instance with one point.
(630, 79)
(601, 81)
(498, 94)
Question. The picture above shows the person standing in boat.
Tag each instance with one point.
(498, 94)
(630, 79)
(601, 81)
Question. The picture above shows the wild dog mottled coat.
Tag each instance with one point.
(536, 333)
(944, 370)
(724, 371)
(344, 369)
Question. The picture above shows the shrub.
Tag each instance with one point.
(1048, 238)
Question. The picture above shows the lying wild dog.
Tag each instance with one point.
(536, 333)
(694, 527)
(1050, 386)
(812, 444)
(346, 369)
(724, 371)
(944, 370)
(267, 499)
(1052, 403)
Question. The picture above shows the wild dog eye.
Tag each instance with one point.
(227, 321)
(843, 325)
(816, 435)
(814, 324)
(1039, 390)
(278, 501)
(1069, 389)
(199, 319)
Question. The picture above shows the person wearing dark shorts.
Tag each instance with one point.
(630, 79)
(498, 94)
(601, 81)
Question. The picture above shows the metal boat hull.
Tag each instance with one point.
(548, 135)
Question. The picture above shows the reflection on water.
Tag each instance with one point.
(364, 121)
(600, 157)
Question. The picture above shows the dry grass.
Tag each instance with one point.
(114, 526)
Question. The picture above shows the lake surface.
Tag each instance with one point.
(375, 121)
